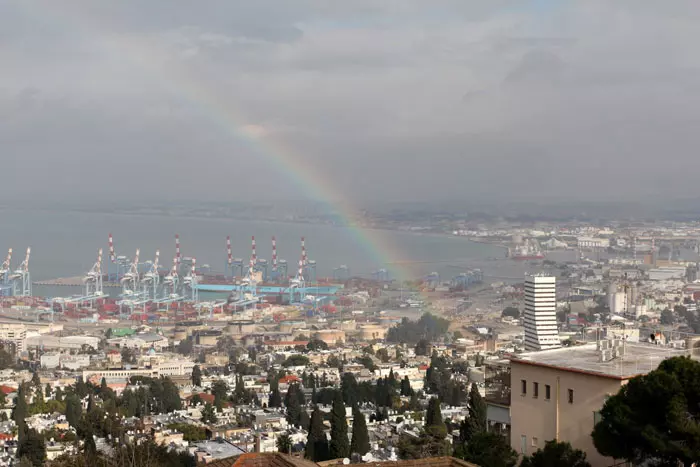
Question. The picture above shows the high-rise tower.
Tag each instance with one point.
(540, 317)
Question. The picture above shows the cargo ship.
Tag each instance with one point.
(529, 251)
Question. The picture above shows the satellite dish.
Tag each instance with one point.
(346, 461)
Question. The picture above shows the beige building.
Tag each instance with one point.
(15, 333)
(557, 394)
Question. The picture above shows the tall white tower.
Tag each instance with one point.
(540, 317)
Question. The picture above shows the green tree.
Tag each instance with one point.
(317, 448)
(654, 417)
(383, 355)
(334, 362)
(20, 412)
(48, 390)
(275, 399)
(296, 360)
(293, 401)
(36, 381)
(360, 436)
(284, 443)
(220, 391)
(171, 396)
(490, 449)
(433, 417)
(511, 312)
(348, 388)
(189, 432)
(33, 448)
(556, 454)
(316, 344)
(209, 414)
(197, 376)
(406, 389)
(422, 347)
(426, 445)
(59, 394)
(6, 359)
(476, 422)
(339, 447)
(74, 410)
(667, 317)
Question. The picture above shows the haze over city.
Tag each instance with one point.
(382, 101)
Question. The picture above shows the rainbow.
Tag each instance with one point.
(182, 84)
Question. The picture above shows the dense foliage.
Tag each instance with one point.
(555, 454)
(654, 417)
(429, 327)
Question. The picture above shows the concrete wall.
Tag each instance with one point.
(536, 418)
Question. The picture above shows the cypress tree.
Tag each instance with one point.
(406, 389)
(293, 406)
(74, 410)
(275, 399)
(316, 442)
(434, 424)
(339, 447)
(360, 436)
(196, 376)
(19, 414)
(476, 423)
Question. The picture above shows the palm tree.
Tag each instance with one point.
(284, 443)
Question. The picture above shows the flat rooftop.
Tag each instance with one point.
(639, 359)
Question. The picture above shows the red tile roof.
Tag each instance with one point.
(289, 379)
(7, 389)
(204, 396)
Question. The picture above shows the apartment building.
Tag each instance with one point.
(557, 394)
(540, 316)
(14, 333)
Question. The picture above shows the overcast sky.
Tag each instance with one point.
(383, 99)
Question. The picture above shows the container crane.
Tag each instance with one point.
(151, 280)
(297, 285)
(190, 281)
(249, 282)
(120, 264)
(279, 267)
(6, 287)
(93, 279)
(21, 279)
(309, 265)
(130, 281)
(171, 287)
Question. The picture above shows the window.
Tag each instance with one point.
(571, 396)
(547, 391)
(535, 390)
(523, 387)
(523, 444)
(534, 442)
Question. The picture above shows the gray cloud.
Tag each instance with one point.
(392, 100)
